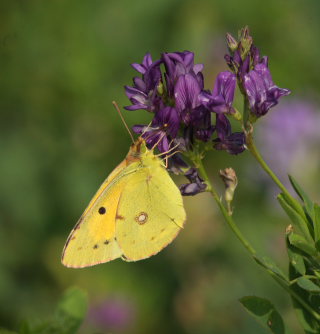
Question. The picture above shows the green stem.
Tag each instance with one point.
(283, 283)
(224, 211)
(256, 154)
(253, 150)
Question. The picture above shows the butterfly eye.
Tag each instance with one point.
(102, 210)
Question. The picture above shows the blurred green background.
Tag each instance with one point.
(62, 63)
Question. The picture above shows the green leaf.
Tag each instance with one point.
(300, 222)
(296, 260)
(305, 198)
(307, 321)
(71, 310)
(316, 223)
(302, 244)
(264, 312)
(317, 273)
(308, 285)
(73, 303)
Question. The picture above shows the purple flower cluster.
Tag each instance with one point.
(253, 74)
(185, 114)
(172, 88)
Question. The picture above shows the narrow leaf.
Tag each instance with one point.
(308, 285)
(264, 312)
(305, 198)
(296, 260)
(300, 222)
(316, 223)
(301, 243)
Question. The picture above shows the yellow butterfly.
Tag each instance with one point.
(137, 211)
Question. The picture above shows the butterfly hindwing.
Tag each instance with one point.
(151, 212)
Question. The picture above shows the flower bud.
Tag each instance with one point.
(289, 229)
(229, 178)
(196, 184)
(231, 42)
(245, 41)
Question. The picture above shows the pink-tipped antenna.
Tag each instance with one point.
(122, 118)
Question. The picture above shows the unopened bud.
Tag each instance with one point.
(229, 178)
(196, 185)
(289, 229)
(245, 41)
(232, 43)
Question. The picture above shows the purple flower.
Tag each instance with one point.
(186, 94)
(176, 164)
(180, 63)
(163, 129)
(196, 184)
(242, 53)
(143, 94)
(221, 99)
(114, 314)
(233, 143)
(202, 127)
(262, 93)
(238, 65)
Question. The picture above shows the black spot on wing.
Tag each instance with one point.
(102, 210)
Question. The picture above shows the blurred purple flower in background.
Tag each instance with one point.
(289, 140)
(114, 314)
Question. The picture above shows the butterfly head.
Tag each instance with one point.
(139, 150)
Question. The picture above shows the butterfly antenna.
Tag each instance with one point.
(122, 118)
(159, 140)
(146, 129)
(172, 154)
(170, 150)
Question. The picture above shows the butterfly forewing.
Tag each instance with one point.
(92, 241)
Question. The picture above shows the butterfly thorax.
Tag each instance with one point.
(140, 153)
